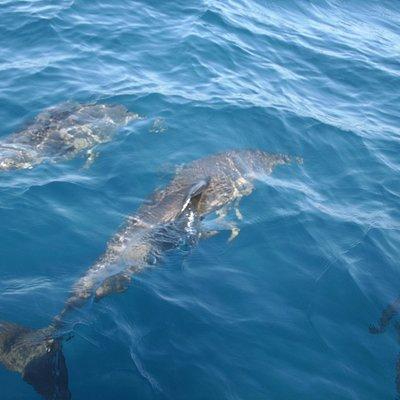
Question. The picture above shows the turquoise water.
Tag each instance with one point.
(282, 311)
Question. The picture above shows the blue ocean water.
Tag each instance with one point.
(282, 311)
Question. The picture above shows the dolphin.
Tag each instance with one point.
(387, 316)
(62, 132)
(170, 217)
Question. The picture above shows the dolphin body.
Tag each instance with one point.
(171, 214)
(62, 132)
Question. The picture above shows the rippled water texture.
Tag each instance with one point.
(282, 311)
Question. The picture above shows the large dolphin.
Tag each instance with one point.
(62, 132)
(171, 215)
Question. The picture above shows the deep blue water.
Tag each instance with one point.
(281, 312)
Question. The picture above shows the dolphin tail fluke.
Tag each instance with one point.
(37, 357)
(48, 375)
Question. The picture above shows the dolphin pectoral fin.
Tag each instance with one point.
(229, 225)
(239, 215)
(91, 156)
(234, 233)
(213, 227)
(117, 283)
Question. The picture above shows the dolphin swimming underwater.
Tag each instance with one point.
(62, 132)
(168, 217)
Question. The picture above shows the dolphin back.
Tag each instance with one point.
(62, 132)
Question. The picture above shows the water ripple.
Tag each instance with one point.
(289, 301)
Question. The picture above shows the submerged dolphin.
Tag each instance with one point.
(387, 316)
(170, 216)
(62, 132)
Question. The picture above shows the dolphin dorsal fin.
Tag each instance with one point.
(194, 193)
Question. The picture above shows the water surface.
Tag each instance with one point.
(281, 312)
